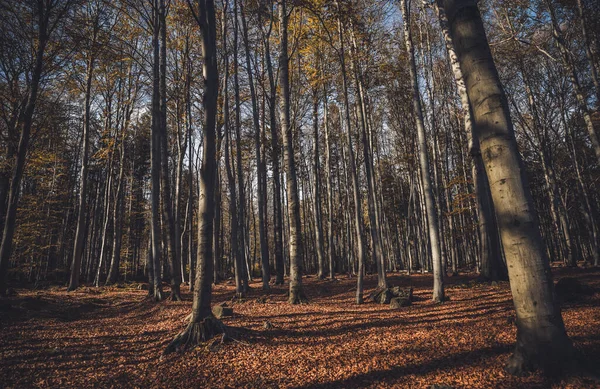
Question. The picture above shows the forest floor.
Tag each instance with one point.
(114, 337)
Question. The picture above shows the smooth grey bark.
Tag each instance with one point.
(203, 325)
(492, 266)
(432, 219)
(541, 337)
(295, 243)
(360, 244)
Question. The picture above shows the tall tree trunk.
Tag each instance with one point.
(360, 244)
(295, 237)
(174, 259)
(438, 278)
(276, 152)
(541, 337)
(260, 165)
(241, 275)
(203, 325)
(492, 266)
(374, 229)
(81, 230)
(113, 273)
(241, 244)
(155, 162)
(328, 167)
(317, 189)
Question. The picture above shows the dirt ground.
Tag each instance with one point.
(114, 337)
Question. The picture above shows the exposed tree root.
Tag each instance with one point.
(197, 333)
(534, 354)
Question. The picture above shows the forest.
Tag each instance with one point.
(300, 193)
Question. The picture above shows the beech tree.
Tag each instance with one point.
(203, 325)
(431, 214)
(541, 337)
(295, 233)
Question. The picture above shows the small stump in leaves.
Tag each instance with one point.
(399, 302)
(222, 310)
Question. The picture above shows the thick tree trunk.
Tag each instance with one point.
(541, 337)
(438, 278)
(492, 266)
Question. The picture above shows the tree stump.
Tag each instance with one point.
(221, 311)
(399, 302)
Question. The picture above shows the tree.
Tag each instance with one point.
(50, 15)
(260, 164)
(295, 235)
(432, 217)
(203, 325)
(541, 337)
(94, 16)
(155, 159)
(360, 245)
(492, 267)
